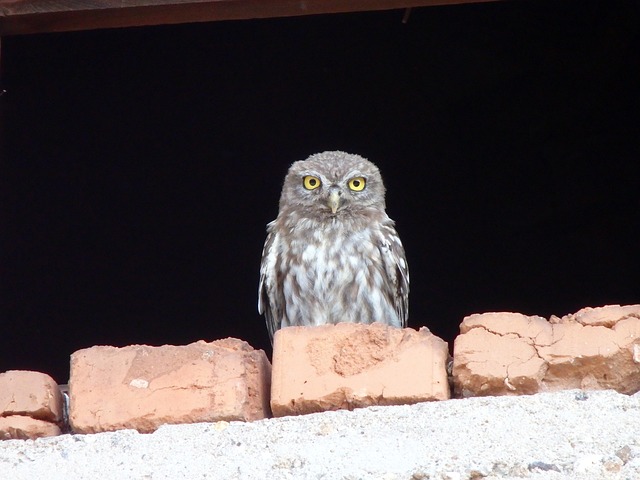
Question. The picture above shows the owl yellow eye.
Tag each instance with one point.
(357, 184)
(310, 182)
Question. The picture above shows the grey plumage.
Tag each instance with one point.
(332, 254)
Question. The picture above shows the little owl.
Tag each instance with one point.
(332, 254)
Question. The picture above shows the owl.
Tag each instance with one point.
(332, 254)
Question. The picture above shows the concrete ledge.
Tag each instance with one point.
(565, 435)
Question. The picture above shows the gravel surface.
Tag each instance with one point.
(568, 435)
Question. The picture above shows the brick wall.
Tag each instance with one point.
(330, 367)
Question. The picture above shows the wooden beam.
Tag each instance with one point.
(39, 16)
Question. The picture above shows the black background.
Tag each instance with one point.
(140, 166)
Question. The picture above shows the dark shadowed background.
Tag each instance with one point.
(140, 166)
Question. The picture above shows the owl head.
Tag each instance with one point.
(333, 184)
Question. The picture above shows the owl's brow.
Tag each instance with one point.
(355, 173)
(311, 173)
(351, 174)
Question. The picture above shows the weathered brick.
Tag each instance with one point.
(31, 394)
(513, 354)
(348, 365)
(21, 427)
(143, 387)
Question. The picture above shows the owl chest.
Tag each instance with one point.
(328, 270)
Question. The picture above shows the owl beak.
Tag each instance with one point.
(333, 201)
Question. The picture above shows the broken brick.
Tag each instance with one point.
(514, 354)
(23, 428)
(30, 394)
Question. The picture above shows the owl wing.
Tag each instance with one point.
(269, 302)
(395, 264)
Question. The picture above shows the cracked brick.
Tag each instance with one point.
(510, 354)
(22, 427)
(32, 394)
(31, 405)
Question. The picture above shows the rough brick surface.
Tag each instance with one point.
(143, 387)
(513, 354)
(348, 365)
(21, 427)
(31, 394)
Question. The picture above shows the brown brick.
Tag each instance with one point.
(512, 354)
(345, 366)
(21, 427)
(143, 387)
(31, 394)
